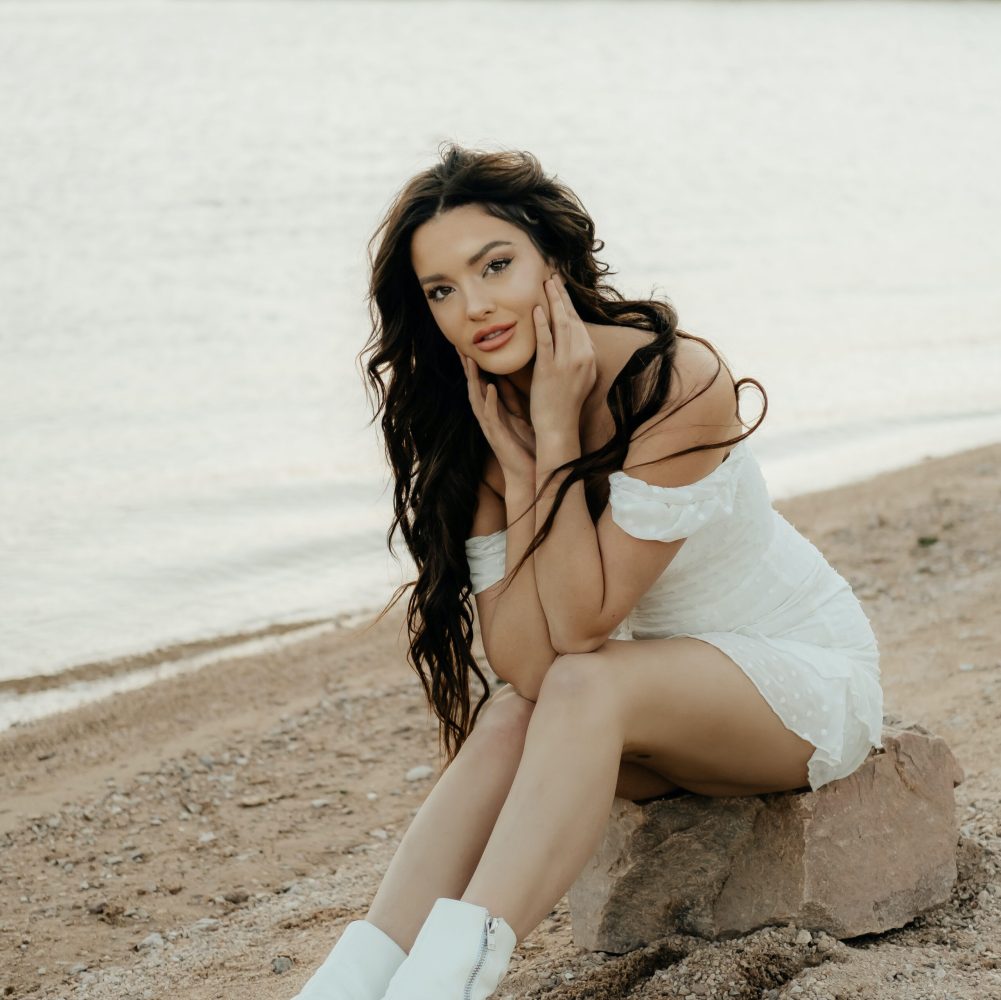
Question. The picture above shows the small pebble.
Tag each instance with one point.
(153, 940)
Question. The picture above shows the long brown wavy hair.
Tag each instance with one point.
(434, 444)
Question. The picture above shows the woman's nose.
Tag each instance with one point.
(478, 305)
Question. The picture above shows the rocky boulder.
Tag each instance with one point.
(860, 855)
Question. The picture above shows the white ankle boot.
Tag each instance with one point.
(359, 967)
(461, 953)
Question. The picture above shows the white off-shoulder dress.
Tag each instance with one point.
(747, 582)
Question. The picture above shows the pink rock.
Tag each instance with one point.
(860, 855)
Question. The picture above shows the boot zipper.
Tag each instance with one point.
(487, 942)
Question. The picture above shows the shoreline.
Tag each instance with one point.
(93, 679)
(92, 670)
(212, 833)
(24, 700)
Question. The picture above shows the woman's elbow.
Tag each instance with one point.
(565, 647)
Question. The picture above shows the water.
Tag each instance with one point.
(186, 192)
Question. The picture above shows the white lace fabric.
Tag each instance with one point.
(747, 582)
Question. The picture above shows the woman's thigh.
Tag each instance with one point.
(688, 713)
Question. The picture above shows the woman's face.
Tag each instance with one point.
(477, 271)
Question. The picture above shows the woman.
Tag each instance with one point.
(659, 629)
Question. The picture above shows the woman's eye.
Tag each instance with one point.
(433, 297)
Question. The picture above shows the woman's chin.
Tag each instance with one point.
(510, 358)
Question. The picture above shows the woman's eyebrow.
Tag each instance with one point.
(472, 260)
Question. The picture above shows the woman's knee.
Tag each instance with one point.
(575, 678)
(503, 720)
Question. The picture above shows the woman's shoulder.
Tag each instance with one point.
(490, 515)
(701, 390)
(696, 364)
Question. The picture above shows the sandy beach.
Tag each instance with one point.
(210, 835)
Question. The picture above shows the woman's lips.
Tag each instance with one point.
(498, 341)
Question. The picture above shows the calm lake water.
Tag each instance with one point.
(187, 188)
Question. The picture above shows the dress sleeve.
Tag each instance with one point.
(667, 513)
(486, 557)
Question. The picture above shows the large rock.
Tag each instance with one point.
(860, 855)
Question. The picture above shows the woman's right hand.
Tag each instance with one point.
(508, 433)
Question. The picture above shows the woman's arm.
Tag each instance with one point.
(590, 575)
(513, 626)
(568, 570)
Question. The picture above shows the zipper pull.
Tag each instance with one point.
(491, 930)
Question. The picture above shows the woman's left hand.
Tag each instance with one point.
(565, 368)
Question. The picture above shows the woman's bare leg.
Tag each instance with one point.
(443, 844)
